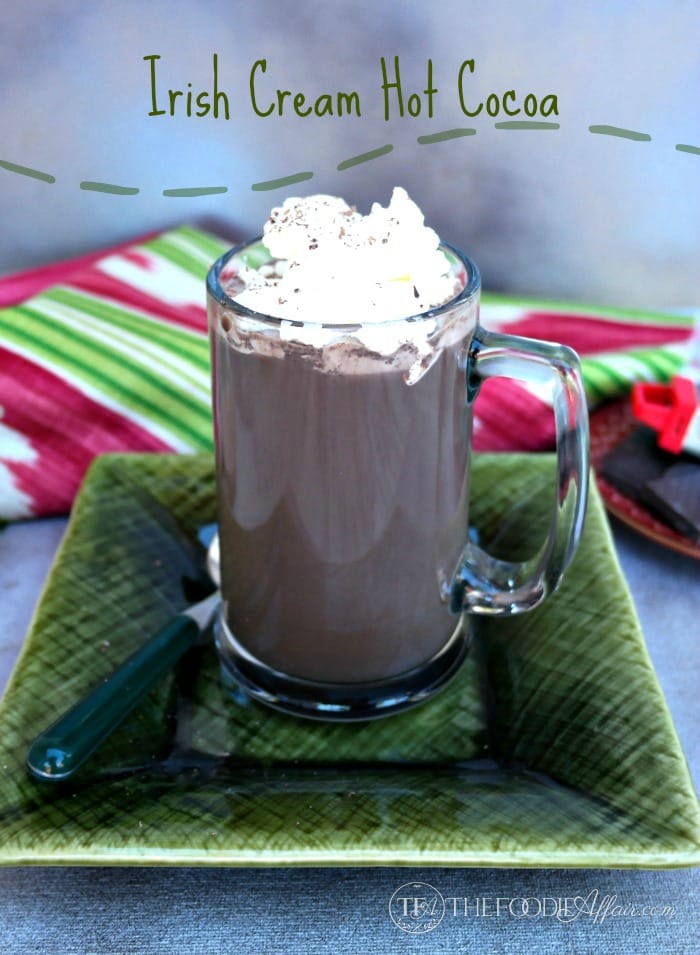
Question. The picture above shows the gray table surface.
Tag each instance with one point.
(142, 910)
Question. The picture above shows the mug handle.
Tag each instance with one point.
(484, 584)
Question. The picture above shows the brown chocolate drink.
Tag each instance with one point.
(343, 494)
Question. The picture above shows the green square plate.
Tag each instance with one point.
(552, 747)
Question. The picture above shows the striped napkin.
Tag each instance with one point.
(616, 347)
(109, 353)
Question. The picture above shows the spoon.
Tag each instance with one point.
(60, 750)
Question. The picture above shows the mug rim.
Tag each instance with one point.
(468, 293)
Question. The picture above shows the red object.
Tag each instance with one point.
(668, 409)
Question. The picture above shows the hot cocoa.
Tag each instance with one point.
(343, 433)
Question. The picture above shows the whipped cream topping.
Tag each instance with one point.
(336, 266)
(330, 266)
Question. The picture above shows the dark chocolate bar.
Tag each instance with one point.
(667, 484)
(676, 497)
(635, 461)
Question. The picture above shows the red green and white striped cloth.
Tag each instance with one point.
(109, 353)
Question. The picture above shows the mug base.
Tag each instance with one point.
(337, 702)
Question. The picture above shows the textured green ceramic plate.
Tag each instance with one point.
(552, 747)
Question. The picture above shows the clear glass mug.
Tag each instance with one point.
(343, 460)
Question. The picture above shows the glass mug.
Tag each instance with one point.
(348, 578)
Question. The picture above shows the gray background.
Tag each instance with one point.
(563, 213)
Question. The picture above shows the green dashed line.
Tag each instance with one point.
(364, 157)
(525, 124)
(279, 183)
(195, 191)
(621, 133)
(109, 188)
(270, 184)
(26, 171)
(445, 135)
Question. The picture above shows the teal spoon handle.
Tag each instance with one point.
(63, 748)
